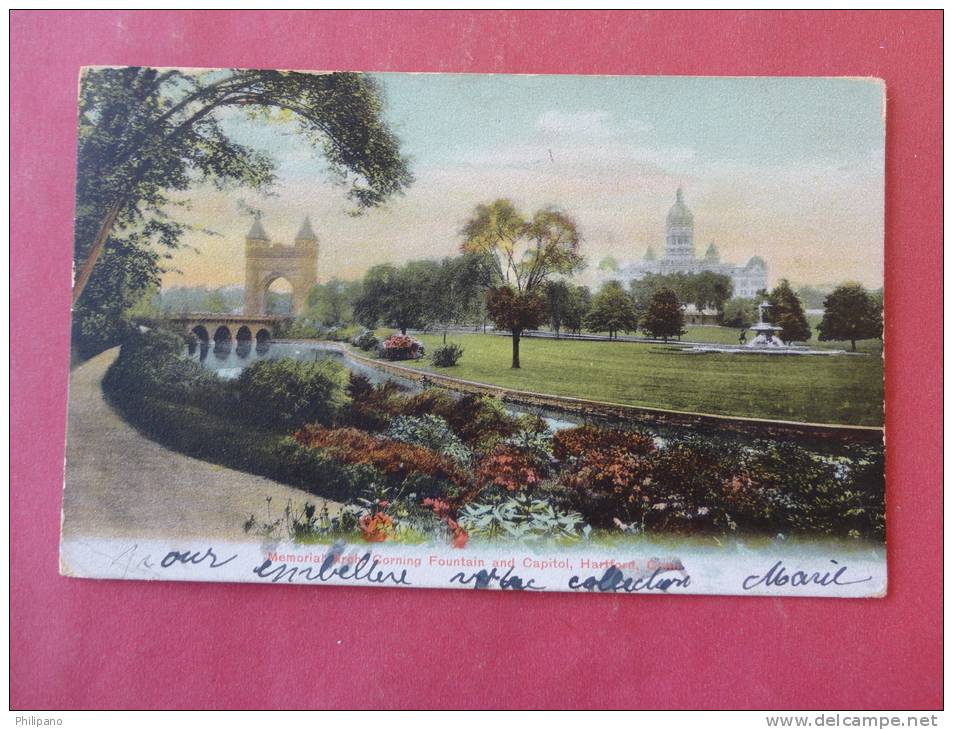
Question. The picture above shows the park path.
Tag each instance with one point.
(121, 484)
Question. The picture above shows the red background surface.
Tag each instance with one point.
(95, 644)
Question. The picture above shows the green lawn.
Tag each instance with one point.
(798, 388)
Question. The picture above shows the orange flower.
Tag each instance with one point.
(376, 527)
(459, 537)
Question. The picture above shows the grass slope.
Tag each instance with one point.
(845, 390)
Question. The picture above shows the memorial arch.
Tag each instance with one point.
(265, 262)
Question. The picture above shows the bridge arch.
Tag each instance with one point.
(201, 334)
(263, 336)
(223, 335)
(243, 334)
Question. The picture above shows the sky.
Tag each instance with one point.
(790, 169)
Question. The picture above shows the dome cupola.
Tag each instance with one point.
(679, 214)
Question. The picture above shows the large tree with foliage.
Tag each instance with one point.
(787, 313)
(704, 289)
(664, 316)
(557, 296)
(146, 136)
(612, 311)
(580, 302)
(456, 290)
(850, 313)
(522, 254)
(332, 303)
(397, 296)
(709, 289)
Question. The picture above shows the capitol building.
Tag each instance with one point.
(680, 257)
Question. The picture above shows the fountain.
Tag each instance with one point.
(765, 342)
(764, 332)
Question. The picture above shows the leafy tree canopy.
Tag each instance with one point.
(580, 301)
(612, 311)
(704, 289)
(664, 317)
(456, 290)
(397, 296)
(788, 314)
(851, 313)
(332, 303)
(522, 253)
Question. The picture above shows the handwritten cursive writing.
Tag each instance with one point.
(778, 575)
(187, 557)
(360, 571)
(507, 581)
(614, 580)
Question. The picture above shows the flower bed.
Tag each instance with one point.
(401, 347)
(431, 466)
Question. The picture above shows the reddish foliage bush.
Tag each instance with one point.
(479, 422)
(508, 468)
(607, 473)
(394, 459)
(580, 442)
(609, 484)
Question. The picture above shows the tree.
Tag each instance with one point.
(522, 254)
(332, 303)
(787, 313)
(704, 289)
(664, 317)
(612, 311)
(515, 311)
(739, 312)
(710, 290)
(146, 136)
(395, 296)
(455, 290)
(557, 297)
(580, 301)
(850, 313)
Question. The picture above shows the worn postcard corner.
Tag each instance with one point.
(544, 333)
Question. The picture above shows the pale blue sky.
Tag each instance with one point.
(752, 120)
(790, 169)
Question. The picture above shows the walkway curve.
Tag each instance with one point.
(121, 484)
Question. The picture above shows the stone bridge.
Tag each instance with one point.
(220, 328)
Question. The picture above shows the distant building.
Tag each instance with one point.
(706, 316)
(680, 257)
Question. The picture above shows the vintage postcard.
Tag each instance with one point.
(547, 333)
